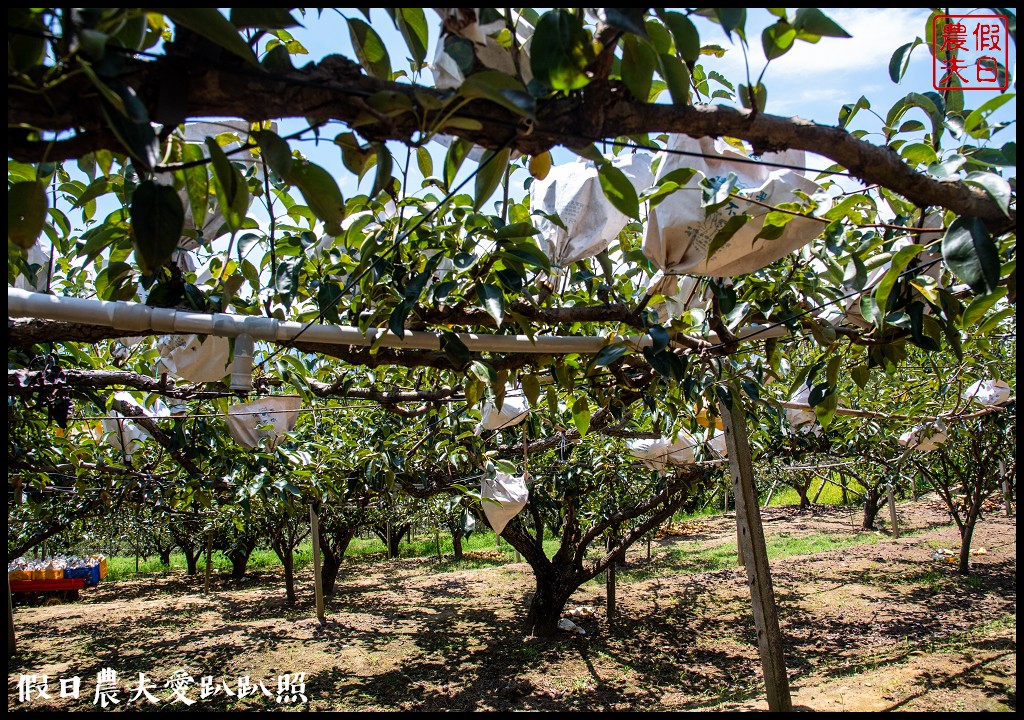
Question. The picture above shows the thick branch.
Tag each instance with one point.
(335, 89)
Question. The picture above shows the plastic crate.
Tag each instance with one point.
(79, 572)
(49, 574)
(20, 575)
(102, 566)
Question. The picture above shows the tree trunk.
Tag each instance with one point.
(239, 558)
(966, 534)
(191, 560)
(872, 504)
(553, 591)
(457, 544)
(287, 559)
(333, 544)
(165, 556)
(393, 539)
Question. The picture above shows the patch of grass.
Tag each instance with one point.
(688, 558)
(831, 495)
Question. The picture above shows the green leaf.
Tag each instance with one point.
(619, 190)
(900, 60)
(26, 212)
(677, 77)
(629, 19)
(560, 51)
(581, 415)
(353, 154)
(856, 275)
(997, 188)
(732, 19)
(213, 26)
(424, 162)
(531, 388)
(412, 23)
(489, 175)
(638, 63)
(774, 224)
(869, 310)
(370, 49)
(825, 410)
(760, 99)
(609, 354)
(897, 265)
(457, 153)
(197, 184)
(974, 123)
(320, 192)
(994, 320)
(454, 349)
(815, 22)
(732, 225)
(99, 186)
(276, 151)
(396, 321)
(860, 374)
(919, 154)
(971, 254)
(981, 305)
(659, 338)
(129, 122)
(483, 372)
(684, 32)
(382, 177)
(777, 39)
(492, 300)
(157, 221)
(229, 185)
(501, 89)
(263, 18)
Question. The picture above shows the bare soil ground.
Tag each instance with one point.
(871, 627)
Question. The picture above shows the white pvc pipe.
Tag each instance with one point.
(135, 318)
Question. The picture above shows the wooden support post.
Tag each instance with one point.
(318, 580)
(610, 583)
(751, 538)
(209, 558)
(11, 646)
(387, 539)
(818, 494)
(771, 492)
(725, 498)
(892, 514)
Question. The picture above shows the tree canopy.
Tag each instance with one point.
(147, 166)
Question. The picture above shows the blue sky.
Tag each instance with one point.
(812, 81)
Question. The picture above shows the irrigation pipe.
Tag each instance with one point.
(136, 318)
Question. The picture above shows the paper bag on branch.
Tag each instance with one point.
(514, 409)
(511, 495)
(924, 437)
(799, 419)
(988, 392)
(269, 417)
(192, 359)
(679, 231)
(126, 435)
(662, 452)
(573, 193)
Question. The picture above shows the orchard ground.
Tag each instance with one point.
(871, 622)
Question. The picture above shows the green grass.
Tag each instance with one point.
(831, 495)
(688, 558)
